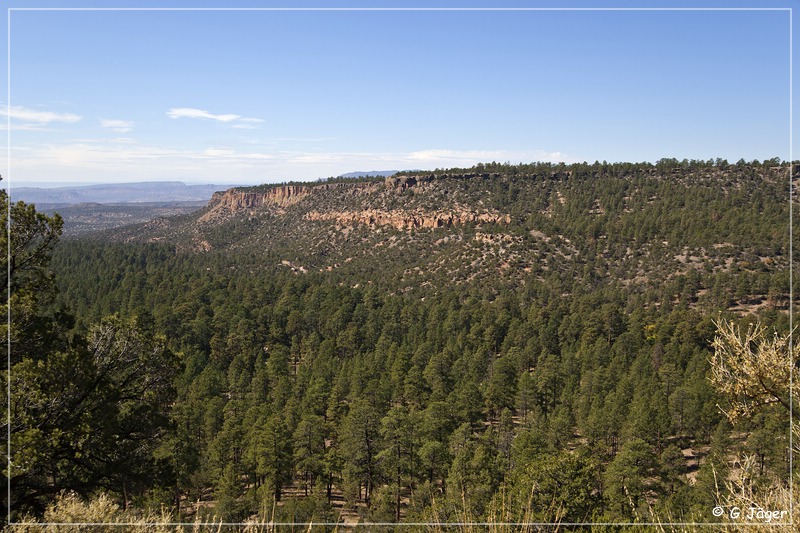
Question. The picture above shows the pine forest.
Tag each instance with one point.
(551, 344)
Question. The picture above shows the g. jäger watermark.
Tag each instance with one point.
(754, 513)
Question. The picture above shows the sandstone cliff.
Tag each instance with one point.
(408, 220)
(233, 200)
(237, 199)
(334, 203)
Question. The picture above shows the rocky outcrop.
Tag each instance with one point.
(237, 199)
(233, 200)
(408, 220)
(225, 203)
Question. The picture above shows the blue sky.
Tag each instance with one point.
(267, 96)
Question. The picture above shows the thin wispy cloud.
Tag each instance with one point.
(93, 159)
(23, 118)
(118, 126)
(236, 121)
(38, 116)
(190, 112)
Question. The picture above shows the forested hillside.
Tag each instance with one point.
(672, 227)
(524, 343)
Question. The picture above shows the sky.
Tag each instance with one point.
(261, 96)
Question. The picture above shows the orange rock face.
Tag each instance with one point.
(224, 203)
(235, 200)
(404, 220)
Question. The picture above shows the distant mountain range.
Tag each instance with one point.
(153, 191)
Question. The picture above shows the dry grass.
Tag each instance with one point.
(71, 514)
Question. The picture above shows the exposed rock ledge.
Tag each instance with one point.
(406, 220)
(235, 199)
